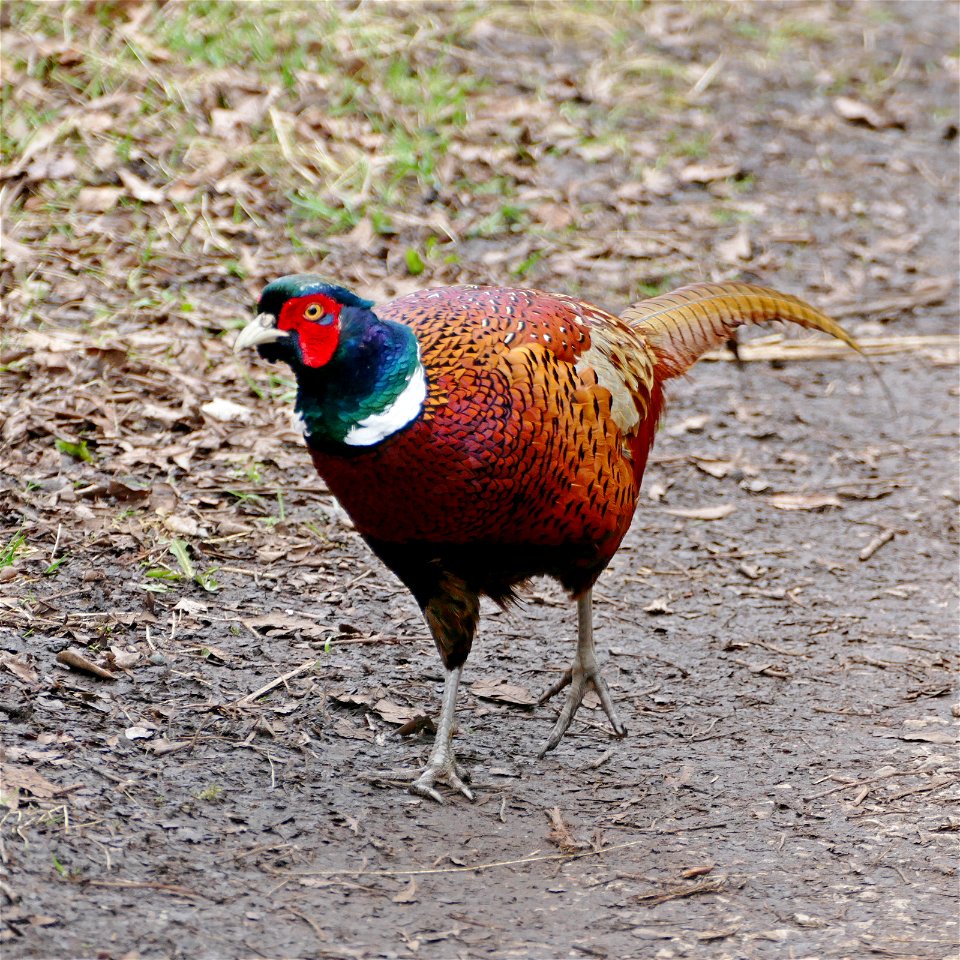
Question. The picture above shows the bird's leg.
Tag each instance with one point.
(442, 764)
(584, 672)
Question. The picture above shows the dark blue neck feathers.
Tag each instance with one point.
(372, 365)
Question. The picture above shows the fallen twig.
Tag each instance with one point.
(266, 688)
(765, 350)
(490, 865)
(707, 886)
(860, 783)
(876, 543)
(146, 885)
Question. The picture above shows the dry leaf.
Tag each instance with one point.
(503, 692)
(856, 111)
(76, 660)
(346, 728)
(656, 491)
(658, 182)
(718, 512)
(124, 659)
(408, 894)
(139, 733)
(182, 526)
(714, 468)
(18, 668)
(15, 777)
(738, 247)
(394, 712)
(931, 736)
(708, 172)
(140, 189)
(192, 608)
(97, 199)
(226, 411)
(554, 216)
(690, 425)
(658, 607)
(560, 835)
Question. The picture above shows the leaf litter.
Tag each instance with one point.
(147, 196)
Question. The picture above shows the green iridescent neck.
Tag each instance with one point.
(372, 386)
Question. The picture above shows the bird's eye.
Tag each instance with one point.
(313, 312)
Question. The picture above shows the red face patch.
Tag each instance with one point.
(316, 321)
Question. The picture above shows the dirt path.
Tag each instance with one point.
(790, 782)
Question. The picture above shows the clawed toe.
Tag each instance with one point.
(579, 681)
(446, 771)
(584, 673)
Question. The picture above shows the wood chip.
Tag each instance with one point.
(803, 501)
(717, 512)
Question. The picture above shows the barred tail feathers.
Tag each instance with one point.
(681, 326)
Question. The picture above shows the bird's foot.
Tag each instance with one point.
(443, 769)
(579, 679)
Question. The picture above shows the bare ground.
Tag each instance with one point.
(789, 786)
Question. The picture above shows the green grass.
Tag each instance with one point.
(400, 85)
(79, 451)
(8, 555)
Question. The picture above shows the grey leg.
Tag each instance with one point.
(442, 764)
(584, 672)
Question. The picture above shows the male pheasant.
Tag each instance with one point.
(479, 436)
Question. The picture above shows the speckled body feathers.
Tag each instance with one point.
(517, 453)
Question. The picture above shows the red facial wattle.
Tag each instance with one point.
(318, 335)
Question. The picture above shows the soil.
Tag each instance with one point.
(789, 785)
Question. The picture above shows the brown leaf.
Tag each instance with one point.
(124, 659)
(115, 489)
(26, 778)
(279, 623)
(714, 468)
(560, 835)
(691, 425)
(18, 668)
(503, 692)
(394, 712)
(226, 411)
(76, 660)
(348, 730)
(555, 216)
(929, 736)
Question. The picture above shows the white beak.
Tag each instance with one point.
(261, 329)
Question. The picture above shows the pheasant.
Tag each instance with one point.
(479, 436)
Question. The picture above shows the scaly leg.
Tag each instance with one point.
(442, 764)
(584, 672)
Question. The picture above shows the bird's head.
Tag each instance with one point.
(299, 320)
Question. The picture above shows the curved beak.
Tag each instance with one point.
(261, 329)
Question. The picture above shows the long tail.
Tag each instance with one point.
(683, 325)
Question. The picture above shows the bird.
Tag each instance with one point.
(478, 436)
